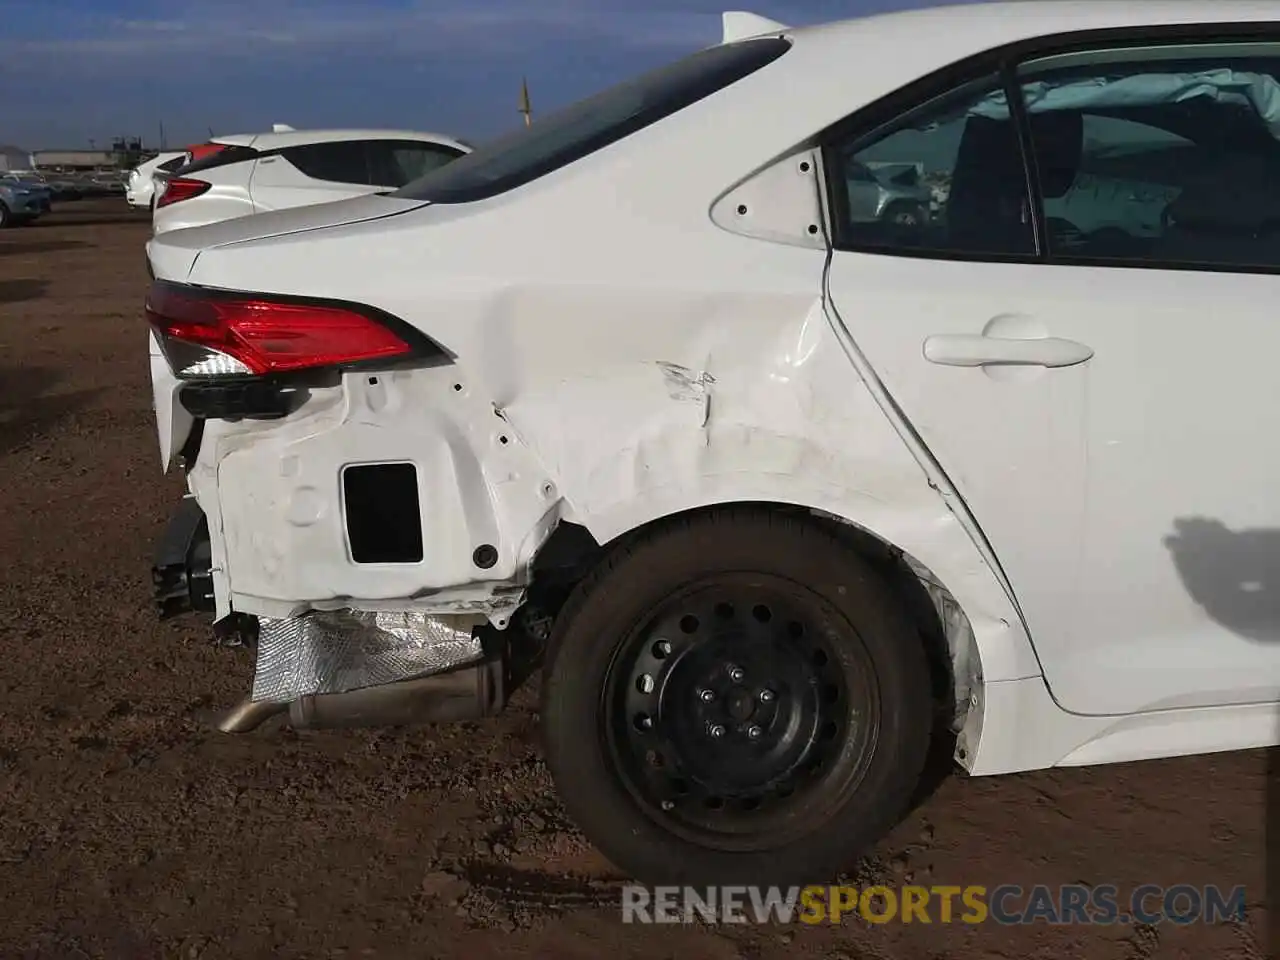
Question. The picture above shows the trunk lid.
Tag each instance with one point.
(264, 226)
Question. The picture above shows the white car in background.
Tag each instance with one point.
(238, 175)
(786, 489)
(139, 189)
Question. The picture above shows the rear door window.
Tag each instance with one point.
(1167, 154)
(342, 161)
(944, 180)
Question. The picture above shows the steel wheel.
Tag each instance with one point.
(735, 697)
(729, 717)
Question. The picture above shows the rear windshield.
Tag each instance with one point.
(232, 153)
(592, 124)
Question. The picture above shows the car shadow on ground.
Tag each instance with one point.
(89, 218)
(28, 408)
(19, 291)
(1234, 576)
(16, 247)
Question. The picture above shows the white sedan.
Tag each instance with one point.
(243, 174)
(788, 492)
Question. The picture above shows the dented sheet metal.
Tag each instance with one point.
(346, 650)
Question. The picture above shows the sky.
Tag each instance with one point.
(72, 71)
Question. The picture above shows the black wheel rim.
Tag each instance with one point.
(739, 712)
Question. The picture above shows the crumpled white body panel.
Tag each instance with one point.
(760, 404)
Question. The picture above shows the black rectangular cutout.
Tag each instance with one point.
(384, 517)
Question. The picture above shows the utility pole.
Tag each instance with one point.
(163, 143)
(525, 108)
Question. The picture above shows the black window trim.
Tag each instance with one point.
(872, 120)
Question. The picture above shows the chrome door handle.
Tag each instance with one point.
(976, 350)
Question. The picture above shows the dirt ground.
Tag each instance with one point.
(130, 829)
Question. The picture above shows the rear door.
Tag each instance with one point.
(1097, 379)
(311, 173)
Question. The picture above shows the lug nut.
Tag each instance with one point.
(766, 696)
(716, 731)
(736, 674)
(706, 696)
(754, 733)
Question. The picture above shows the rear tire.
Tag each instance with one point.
(735, 698)
(5, 217)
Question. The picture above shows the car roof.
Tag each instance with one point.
(955, 29)
(834, 69)
(276, 139)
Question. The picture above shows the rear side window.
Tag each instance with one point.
(231, 154)
(170, 165)
(945, 179)
(395, 163)
(593, 124)
(343, 161)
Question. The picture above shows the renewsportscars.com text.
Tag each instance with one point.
(1006, 905)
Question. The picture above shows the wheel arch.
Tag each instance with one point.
(953, 647)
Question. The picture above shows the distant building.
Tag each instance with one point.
(72, 159)
(11, 158)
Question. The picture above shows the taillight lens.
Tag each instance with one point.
(176, 189)
(208, 334)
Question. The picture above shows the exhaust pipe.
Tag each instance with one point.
(470, 693)
(249, 715)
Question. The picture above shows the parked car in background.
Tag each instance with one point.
(22, 201)
(788, 490)
(63, 188)
(892, 195)
(140, 187)
(254, 173)
(34, 182)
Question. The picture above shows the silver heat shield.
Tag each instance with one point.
(334, 652)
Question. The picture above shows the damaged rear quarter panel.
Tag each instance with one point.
(756, 401)
(278, 502)
(646, 363)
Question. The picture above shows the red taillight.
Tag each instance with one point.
(217, 334)
(174, 189)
